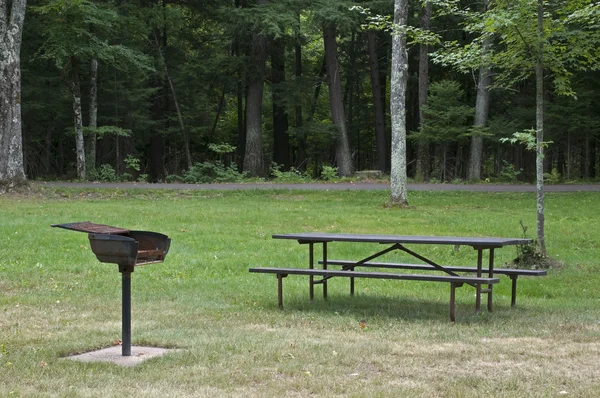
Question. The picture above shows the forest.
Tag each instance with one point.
(219, 90)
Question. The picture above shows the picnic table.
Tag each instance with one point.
(482, 276)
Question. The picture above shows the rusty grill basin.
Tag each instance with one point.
(134, 248)
(122, 246)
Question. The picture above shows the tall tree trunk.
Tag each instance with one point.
(93, 114)
(281, 138)
(539, 124)
(348, 99)
(586, 156)
(186, 140)
(301, 136)
(482, 106)
(378, 104)
(342, 148)
(77, 117)
(12, 172)
(241, 123)
(399, 80)
(48, 148)
(254, 161)
(422, 169)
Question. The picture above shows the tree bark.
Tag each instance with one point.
(422, 169)
(399, 79)
(281, 138)
(378, 104)
(75, 87)
(254, 162)
(342, 147)
(301, 136)
(186, 140)
(93, 114)
(12, 172)
(539, 122)
(482, 106)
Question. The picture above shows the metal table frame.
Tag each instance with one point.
(398, 242)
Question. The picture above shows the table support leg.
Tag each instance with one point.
(311, 265)
(478, 287)
(490, 275)
(280, 290)
(513, 296)
(324, 267)
(452, 301)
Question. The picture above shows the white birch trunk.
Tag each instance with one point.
(77, 118)
(11, 142)
(399, 77)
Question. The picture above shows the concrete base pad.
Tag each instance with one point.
(113, 355)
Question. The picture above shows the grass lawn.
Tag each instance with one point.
(56, 299)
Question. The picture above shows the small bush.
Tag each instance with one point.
(208, 172)
(294, 175)
(554, 177)
(329, 173)
(528, 256)
(106, 173)
(508, 172)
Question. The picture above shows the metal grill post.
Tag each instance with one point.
(126, 310)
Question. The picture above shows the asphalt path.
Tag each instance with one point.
(360, 186)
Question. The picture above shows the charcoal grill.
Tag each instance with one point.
(127, 249)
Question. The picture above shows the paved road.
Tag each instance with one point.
(366, 186)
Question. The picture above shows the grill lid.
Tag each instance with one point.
(90, 227)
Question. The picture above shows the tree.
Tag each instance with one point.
(444, 120)
(254, 161)
(482, 106)
(564, 38)
(342, 147)
(422, 172)
(11, 153)
(378, 102)
(534, 39)
(399, 79)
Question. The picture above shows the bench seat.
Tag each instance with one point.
(513, 273)
(455, 281)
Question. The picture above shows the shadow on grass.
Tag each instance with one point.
(386, 308)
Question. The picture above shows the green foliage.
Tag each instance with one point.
(508, 173)
(132, 162)
(221, 148)
(329, 173)
(84, 29)
(553, 177)
(571, 41)
(208, 172)
(528, 256)
(445, 114)
(414, 35)
(526, 138)
(104, 173)
(292, 176)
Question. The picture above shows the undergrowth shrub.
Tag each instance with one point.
(207, 172)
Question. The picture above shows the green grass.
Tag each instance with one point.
(56, 299)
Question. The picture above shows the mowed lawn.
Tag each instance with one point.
(56, 299)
